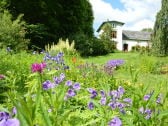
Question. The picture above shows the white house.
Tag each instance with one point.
(126, 39)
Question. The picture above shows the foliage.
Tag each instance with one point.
(159, 37)
(87, 46)
(38, 33)
(141, 49)
(106, 38)
(66, 47)
(12, 33)
(50, 20)
(147, 29)
(3, 5)
(82, 94)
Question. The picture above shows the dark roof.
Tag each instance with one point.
(117, 22)
(136, 35)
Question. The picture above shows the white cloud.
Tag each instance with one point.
(136, 14)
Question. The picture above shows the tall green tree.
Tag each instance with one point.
(106, 37)
(12, 32)
(49, 20)
(160, 34)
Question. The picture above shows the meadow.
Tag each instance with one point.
(63, 89)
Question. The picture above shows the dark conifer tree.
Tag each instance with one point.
(160, 34)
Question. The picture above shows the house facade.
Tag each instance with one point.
(126, 39)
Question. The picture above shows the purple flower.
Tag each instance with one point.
(112, 64)
(68, 83)
(128, 100)
(114, 93)
(147, 97)
(10, 122)
(121, 90)
(2, 76)
(115, 122)
(120, 105)
(102, 93)
(47, 85)
(122, 111)
(57, 80)
(14, 111)
(147, 117)
(93, 92)
(4, 115)
(71, 93)
(158, 101)
(76, 86)
(62, 76)
(148, 111)
(103, 101)
(113, 105)
(90, 105)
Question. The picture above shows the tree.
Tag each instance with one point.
(50, 20)
(160, 34)
(106, 37)
(12, 32)
(147, 29)
(3, 5)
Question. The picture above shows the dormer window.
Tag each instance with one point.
(113, 25)
(114, 34)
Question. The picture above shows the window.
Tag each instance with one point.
(114, 25)
(114, 34)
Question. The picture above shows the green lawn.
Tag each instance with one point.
(147, 67)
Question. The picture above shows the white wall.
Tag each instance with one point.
(132, 43)
(119, 38)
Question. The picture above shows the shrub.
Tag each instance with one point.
(62, 46)
(12, 32)
(90, 46)
(82, 44)
(141, 49)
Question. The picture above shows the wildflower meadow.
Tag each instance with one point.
(60, 88)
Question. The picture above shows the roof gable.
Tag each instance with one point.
(111, 22)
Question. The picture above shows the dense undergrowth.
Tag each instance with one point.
(61, 89)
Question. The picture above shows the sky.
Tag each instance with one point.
(136, 14)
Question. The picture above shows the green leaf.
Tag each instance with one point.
(162, 114)
(45, 116)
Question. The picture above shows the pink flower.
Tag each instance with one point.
(38, 67)
(2, 76)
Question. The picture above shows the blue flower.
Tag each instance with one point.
(68, 83)
(10, 122)
(62, 76)
(103, 101)
(159, 98)
(121, 90)
(71, 93)
(128, 100)
(115, 122)
(76, 86)
(114, 93)
(113, 105)
(47, 85)
(102, 93)
(91, 105)
(147, 97)
(93, 92)
(4, 115)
